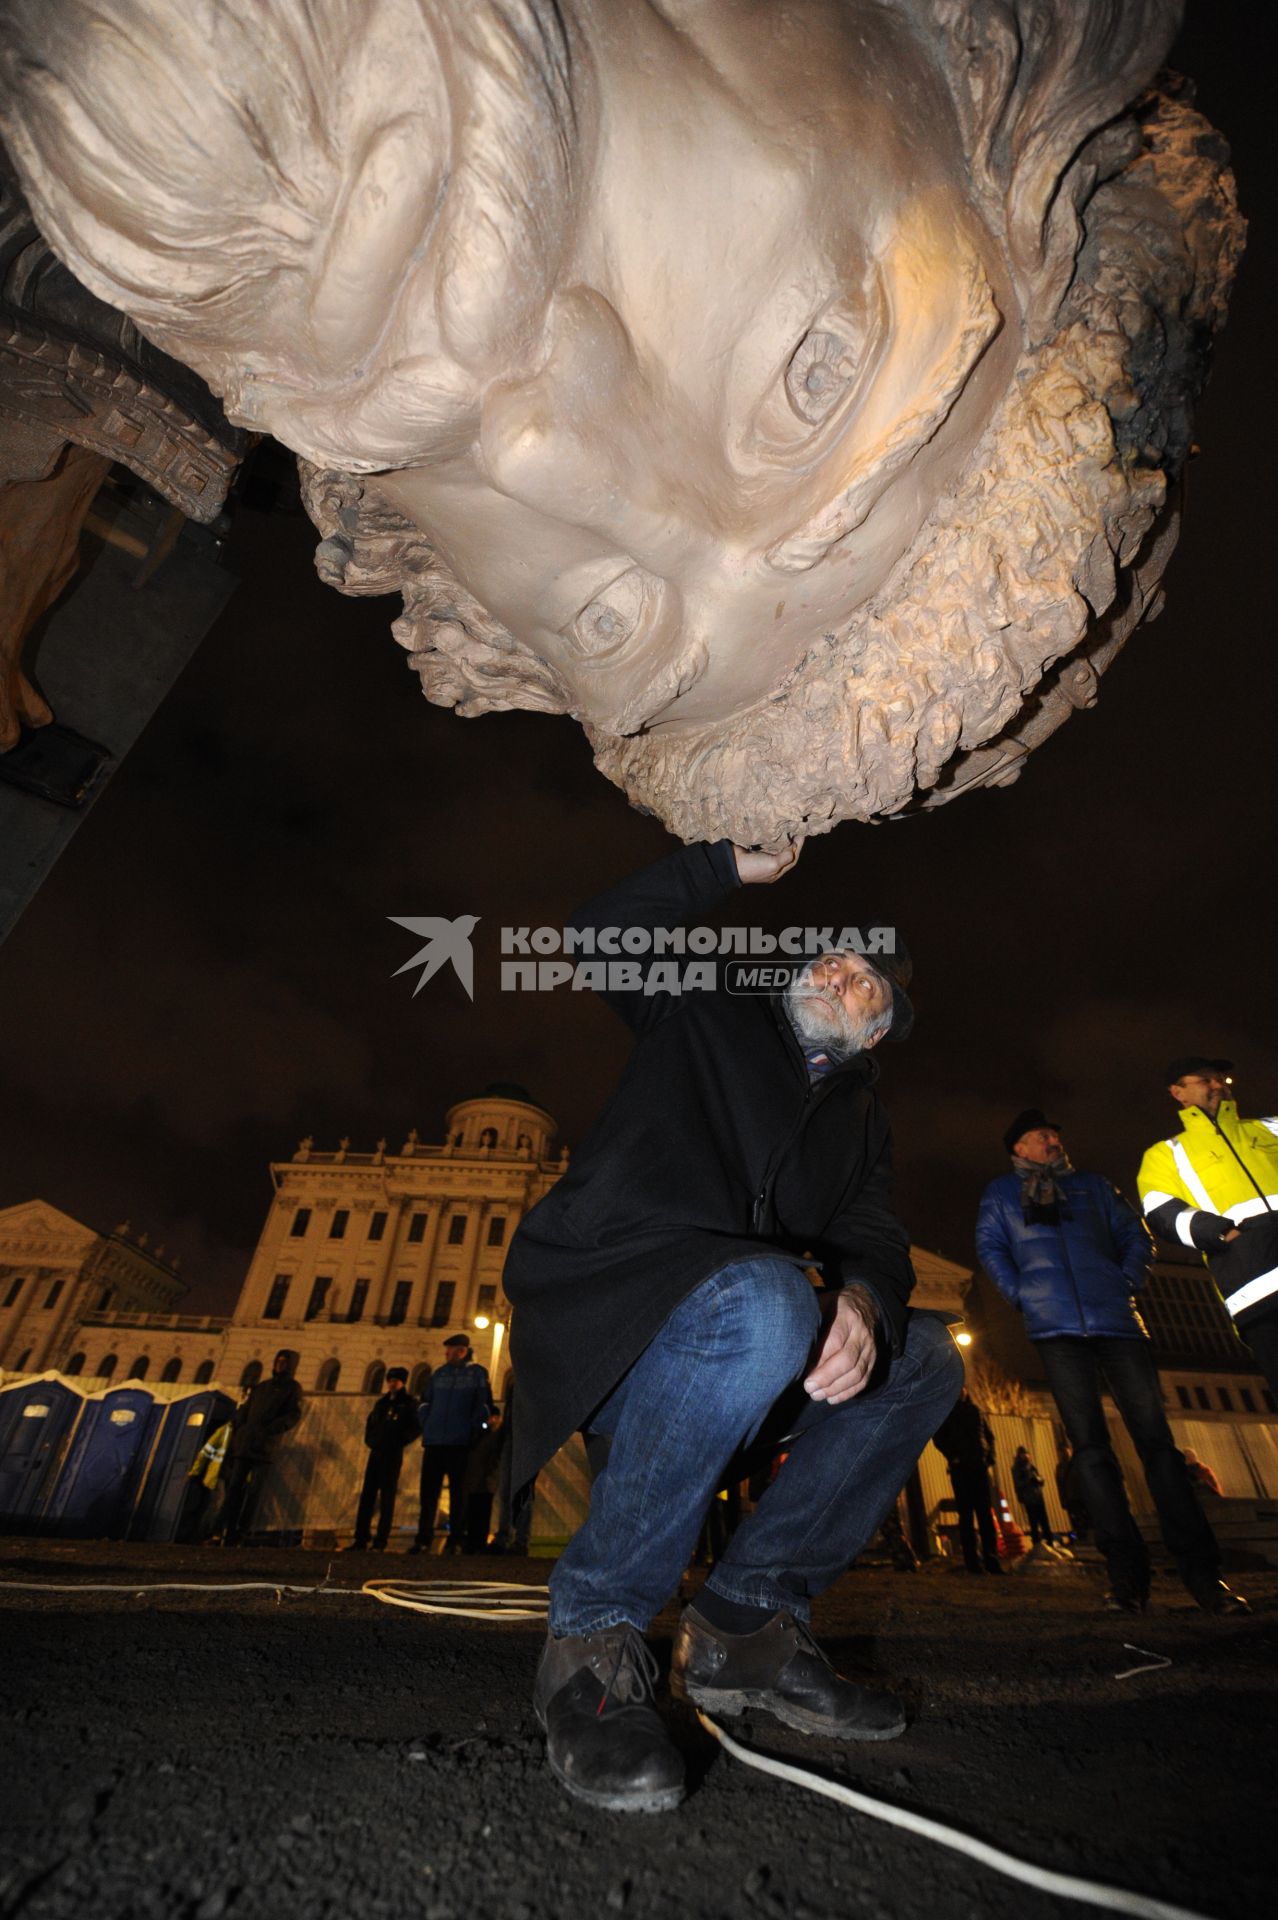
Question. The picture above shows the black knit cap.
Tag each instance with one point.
(457, 1340)
(397, 1373)
(1195, 1063)
(1026, 1123)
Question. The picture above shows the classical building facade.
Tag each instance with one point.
(369, 1260)
(365, 1260)
(56, 1275)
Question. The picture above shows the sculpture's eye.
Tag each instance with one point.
(617, 615)
(827, 373)
(822, 369)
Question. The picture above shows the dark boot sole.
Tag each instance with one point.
(732, 1704)
(663, 1801)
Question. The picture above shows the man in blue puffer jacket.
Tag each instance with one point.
(1067, 1250)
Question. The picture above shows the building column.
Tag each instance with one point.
(430, 1247)
(469, 1285)
(392, 1246)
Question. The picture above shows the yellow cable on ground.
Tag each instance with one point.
(1065, 1885)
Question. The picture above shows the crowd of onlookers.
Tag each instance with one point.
(463, 1435)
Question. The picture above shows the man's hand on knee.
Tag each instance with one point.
(847, 1352)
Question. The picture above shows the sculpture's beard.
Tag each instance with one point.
(820, 1019)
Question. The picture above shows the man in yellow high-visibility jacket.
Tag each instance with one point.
(1214, 1186)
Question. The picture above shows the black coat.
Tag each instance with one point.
(272, 1409)
(391, 1423)
(965, 1439)
(714, 1148)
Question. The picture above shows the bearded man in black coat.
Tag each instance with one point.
(663, 1303)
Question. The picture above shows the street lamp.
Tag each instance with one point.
(482, 1321)
(963, 1339)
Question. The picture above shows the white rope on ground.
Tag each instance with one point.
(1153, 1662)
(460, 1599)
(464, 1599)
(165, 1586)
(1065, 1885)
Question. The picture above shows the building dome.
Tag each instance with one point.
(503, 1120)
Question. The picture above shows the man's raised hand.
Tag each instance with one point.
(756, 869)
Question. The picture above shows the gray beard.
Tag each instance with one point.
(822, 1020)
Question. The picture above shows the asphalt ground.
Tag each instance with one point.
(191, 1756)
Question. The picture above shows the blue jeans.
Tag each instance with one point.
(1074, 1366)
(718, 1370)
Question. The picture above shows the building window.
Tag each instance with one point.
(487, 1299)
(172, 1370)
(497, 1230)
(1203, 1398)
(1182, 1394)
(359, 1294)
(417, 1228)
(1225, 1398)
(278, 1295)
(457, 1139)
(140, 1368)
(488, 1138)
(15, 1289)
(457, 1230)
(51, 1298)
(1248, 1399)
(399, 1305)
(375, 1376)
(319, 1294)
(107, 1365)
(251, 1374)
(301, 1221)
(329, 1375)
(75, 1364)
(23, 1357)
(524, 1144)
(377, 1226)
(420, 1377)
(338, 1229)
(1269, 1400)
(204, 1373)
(108, 1295)
(443, 1303)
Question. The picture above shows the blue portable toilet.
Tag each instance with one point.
(186, 1425)
(36, 1417)
(106, 1460)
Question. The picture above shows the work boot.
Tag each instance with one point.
(605, 1741)
(781, 1669)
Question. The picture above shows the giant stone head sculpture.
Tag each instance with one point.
(795, 394)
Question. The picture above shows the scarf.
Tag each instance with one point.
(1039, 1188)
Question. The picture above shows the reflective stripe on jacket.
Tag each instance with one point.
(1225, 1166)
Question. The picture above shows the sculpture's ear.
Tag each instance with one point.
(1037, 85)
(941, 318)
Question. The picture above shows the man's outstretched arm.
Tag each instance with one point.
(680, 888)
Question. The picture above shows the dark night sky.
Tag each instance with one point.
(206, 975)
